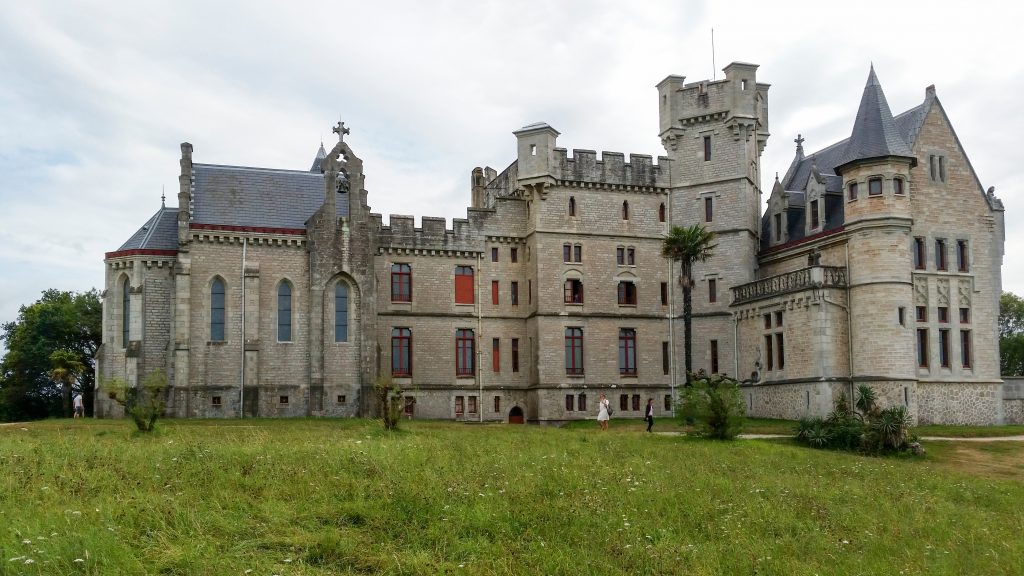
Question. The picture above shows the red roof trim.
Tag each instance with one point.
(139, 252)
(254, 229)
(800, 241)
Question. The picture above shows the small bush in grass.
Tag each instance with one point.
(144, 403)
(389, 401)
(714, 405)
(868, 430)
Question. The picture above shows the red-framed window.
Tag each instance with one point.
(919, 257)
(496, 354)
(943, 313)
(464, 352)
(921, 313)
(961, 256)
(401, 283)
(627, 352)
(401, 352)
(472, 404)
(574, 351)
(494, 292)
(464, 285)
(965, 315)
(940, 254)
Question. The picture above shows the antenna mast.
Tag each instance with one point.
(713, 68)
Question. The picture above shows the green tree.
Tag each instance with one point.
(144, 403)
(59, 320)
(714, 405)
(1011, 334)
(688, 246)
(67, 370)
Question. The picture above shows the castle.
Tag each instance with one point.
(273, 292)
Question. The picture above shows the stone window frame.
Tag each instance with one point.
(402, 336)
(921, 343)
(872, 182)
(625, 210)
(899, 186)
(331, 308)
(937, 168)
(626, 292)
(919, 253)
(572, 207)
(627, 353)
(941, 255)
(966, 350)
(399, 274)
(775, 340)
(572, 288)
(662, 213)
(852, 191)
(465, 352)
(963, 255)
(125, 281)
(574, 347)
(945, 349)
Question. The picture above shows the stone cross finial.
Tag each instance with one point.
(163, 197)
(799, 141)
(340, 130)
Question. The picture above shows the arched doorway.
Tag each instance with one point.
(515, 415)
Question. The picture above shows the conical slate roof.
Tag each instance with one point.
(875, 134)
(318, 161)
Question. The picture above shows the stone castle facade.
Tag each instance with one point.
(278, 293)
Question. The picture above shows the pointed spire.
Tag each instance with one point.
(875, 133)
(163, 197)
(318, 161)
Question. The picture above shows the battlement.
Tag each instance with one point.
(682, 104)
(611, 168)
(433, 234)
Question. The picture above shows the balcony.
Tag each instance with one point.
(795, 281)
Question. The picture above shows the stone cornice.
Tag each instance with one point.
(440, 252)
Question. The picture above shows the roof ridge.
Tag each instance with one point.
(255, 169)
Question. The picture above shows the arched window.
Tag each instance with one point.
(284, 312)
(625, 210)
(126, 312)
(661, 212)
(401, 283)
(572, 205)
(340, 312)
(217, 310)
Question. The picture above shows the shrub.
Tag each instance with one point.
(867, 430)
(389, 401)
(144, 403)
(714, 405)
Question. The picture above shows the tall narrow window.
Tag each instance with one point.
(463, 352)
(574, 351)
(874, 187)
(494, 292)
(285, 312)
(620, 255)
(577, 252)
(581, 402)
(778, 227)
(495, 355)
(566, 252)
(944, 348)
(460, 407)
(664, 358)
(631, 256)
(919, 257)
(714, 356)
(707, 148)
(572, 205)
(661, 212)
(625, 210)
(515, 354)
(712, 290)
(126, 312)
(497, 403)
(636, 402)
(781, 349)
(933, 168)
(627, 294)
(401, 352)
(340, 312)
(627, 352)
(852, 191)
(709, 209)
(513, 255)
(464, 285)
(472, 404)
(217, 310)
(664, 293)
(943, 313)
(965, 315)
(494, 254)
(573, 291)
(769, 352)
(940, 254)
(965, 348)
(401, 283)
(529, 291)
(514, 294)
(623, 402)
(897, 186)
(942, 168)
(922, 313)
(922, 347)
(961, 256)
(569, 402)
(814, 214)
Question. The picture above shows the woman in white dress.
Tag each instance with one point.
(602, 412)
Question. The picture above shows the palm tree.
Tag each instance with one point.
(686, 246)
(67, 368)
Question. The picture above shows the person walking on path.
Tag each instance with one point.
(649, 414)
(602, 412)
(79, 406)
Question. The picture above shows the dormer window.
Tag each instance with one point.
(852, 191)
(778, 227)
(814, 214)
(875, 187)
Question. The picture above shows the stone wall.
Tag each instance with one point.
(1013, 400)
(960, 403)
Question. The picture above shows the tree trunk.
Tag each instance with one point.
(688, 330)
(67, 399)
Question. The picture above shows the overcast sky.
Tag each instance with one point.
(96, 96)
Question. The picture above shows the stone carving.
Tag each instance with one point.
(964, 291)
(942, 287)
(921, 291)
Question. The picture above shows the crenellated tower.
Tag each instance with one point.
(714, 133)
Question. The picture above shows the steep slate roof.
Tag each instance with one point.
(158, 233)
(257, 197)
(318, 161)
(875, 134)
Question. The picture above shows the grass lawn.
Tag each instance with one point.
(305, 497)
